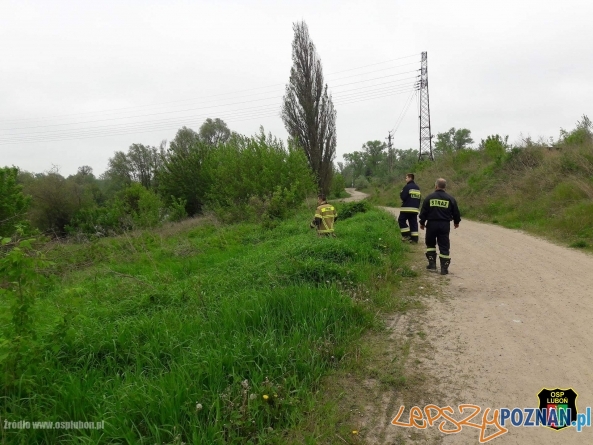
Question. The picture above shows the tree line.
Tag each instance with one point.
(233, 175)
(215, 169)
(377, 164)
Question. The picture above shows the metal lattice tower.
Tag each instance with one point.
(424, 116)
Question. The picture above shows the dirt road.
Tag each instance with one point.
(354, 195)
(518, 318)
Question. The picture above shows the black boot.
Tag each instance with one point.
(432, 260)
(445, 265)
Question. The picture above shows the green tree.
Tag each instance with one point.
(307, 110)
(143, 206)
(184, 140)
(13, 202)
(338, 185)
(140, 164)
(56, 200)
(183, 173)
(258, 166)
(453, 140)
(374, 157)
(355, 161)
(214, 131)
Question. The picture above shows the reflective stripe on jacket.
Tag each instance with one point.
(410, 196)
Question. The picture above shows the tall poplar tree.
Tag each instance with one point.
(308, 111)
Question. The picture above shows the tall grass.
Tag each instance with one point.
(198, 333)
(547, 191)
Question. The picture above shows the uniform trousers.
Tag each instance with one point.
(437, 231)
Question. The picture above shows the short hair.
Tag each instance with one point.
(441, 183)
(321, 196)
(410, 175)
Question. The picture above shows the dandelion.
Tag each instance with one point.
(198, 406)
(354, 432)
(266, 397)
(252, 396)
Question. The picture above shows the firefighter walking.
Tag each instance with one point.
(410, 196)
(438, 210)
(325, 217)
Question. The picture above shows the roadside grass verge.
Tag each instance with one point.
(197, 332)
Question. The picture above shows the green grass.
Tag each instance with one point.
(140, 329)
(545, 192)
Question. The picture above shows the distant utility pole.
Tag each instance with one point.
(424, 117)
(389, 152)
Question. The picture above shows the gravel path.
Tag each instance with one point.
(519, 319)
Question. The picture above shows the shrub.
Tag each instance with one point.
(337, 186)
(348, 210)
(176, 211)
(520, 158)
(55, 201)
(143, 206)
(13, 202)
(361, 183)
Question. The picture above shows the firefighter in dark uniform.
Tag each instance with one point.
(325, 217)
(438, 210)
(410, 196)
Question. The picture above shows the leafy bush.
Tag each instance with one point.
(349, 209)
(361, 183)
(55, 201)
(98, 221)
(338, 186)
(13, 202)
(258, 170)
(144, 206)
(495, 147)
(176, 211)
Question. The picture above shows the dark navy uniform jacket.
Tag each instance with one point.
(410, 196)
(439, 206)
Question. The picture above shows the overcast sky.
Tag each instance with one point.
(80, 80)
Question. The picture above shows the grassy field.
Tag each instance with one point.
(548, 192)
(198, 332)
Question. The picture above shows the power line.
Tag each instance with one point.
(173, 127)
(259, 112)
(194, 109)
(344, 94)
(115, 110)
(404, 111)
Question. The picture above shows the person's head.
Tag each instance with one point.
(320, 198)
(440, 184)
(409, 177)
